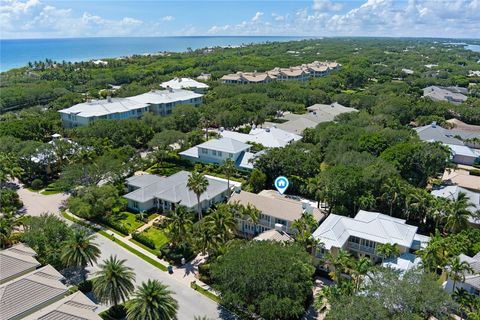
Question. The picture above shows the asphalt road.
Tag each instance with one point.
(191, 303)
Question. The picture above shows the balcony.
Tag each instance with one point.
(361, 248)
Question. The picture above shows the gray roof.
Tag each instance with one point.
(15, 261)
(97, 108)
(174, 189)
(451, 192)
(451, 94)
(472, 279)
(165, 96)
(73, 307)
(144, 180)
(329, 111)
(434, 132)
(225, 145)
(282, 208)
(27, 293)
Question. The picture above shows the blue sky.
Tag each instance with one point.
(88, 18)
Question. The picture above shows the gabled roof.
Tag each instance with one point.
(463, 151)
(333, 109)
(374, 226)
(274, 235)
(282, 208)
(73, 307)
(144, 180)
(225, 145)
(183, 83)
(16, 260)
(165, 96)
(97, 108)
(27, 293)
(174, 189)
(451, 192)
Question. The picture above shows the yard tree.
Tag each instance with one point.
(79, 250)
(152, 301)
(279, 278)
(198, 184)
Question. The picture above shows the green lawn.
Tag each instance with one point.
(127, 219)
(157, 236)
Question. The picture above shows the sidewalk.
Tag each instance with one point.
(184, 274)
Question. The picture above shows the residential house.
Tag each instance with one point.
(452, 192)
(17, 261)
(185, 83)
(268, 137)
(204, 76)
(73, 307)
(30, 292)
(364, 233)
(317, 113)
(150, 192)
(403, 263)
(455, 95)
(277, 212)
(276, 235)
(218, 150)
(472, 280)
(464, 155)
(461, 178)
(247, 77)
(290, 74)
(111, 108)
(160, 102)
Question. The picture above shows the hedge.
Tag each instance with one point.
(143, 240)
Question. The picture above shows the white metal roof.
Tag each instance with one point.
(225, 145)
(165, 96)
(97, 108)
(268, 137)
(183, 83)
(374, 226)
(463, 151)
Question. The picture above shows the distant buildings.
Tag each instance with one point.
(218, 150)
(185, 83)
(160, 102)
(296, 73)
(461, 153)
(362, 235)
(150, 192)
(455, 95)
(277, 212)
(452, 192)
(30, 293)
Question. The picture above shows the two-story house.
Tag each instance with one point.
(162, 102)
(185, 83)
(277, 212)
(218, 150)
(150, 192)
(363, 234)
(472, 280)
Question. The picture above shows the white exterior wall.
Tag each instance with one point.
(213, 156)
(141, 206)
(462, 159)
(265, 222)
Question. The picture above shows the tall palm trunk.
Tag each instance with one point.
(199, 207)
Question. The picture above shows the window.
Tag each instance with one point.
(135, 204)
(214, 152)
(230, 155)
(204, 151)
(281, 221)
(354, 239)
(219, 153)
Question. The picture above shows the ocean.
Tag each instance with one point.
(17, 53)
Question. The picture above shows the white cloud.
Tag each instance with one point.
(168, 18)
(435, 18)
(257, 16)
(326, 5)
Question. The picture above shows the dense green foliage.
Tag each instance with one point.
(267, 278)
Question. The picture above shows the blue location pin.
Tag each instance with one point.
(281, 183)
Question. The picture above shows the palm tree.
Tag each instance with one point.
(458, 213)
(392, 190)
(9, 169)
(303, 230)
(434, 255)
(222, 222)
(436, 210)
(228, 169)
(114, 281)
(339, 262)
(249, 213)
(198, 184)
(179, 225)
(417, 203)
(313, 187)
(457, 269)
(203, 238)
(152, 301)
(7, 228)
(80, 251)
(387, 250)
(359, 269)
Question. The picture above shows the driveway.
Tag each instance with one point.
(35, 203)
(191, 303)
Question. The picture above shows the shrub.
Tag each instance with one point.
(114, 225)
(114, 313)
(143, 240)
(475, 172)
(85, 286)
(174, 255)
(37, 184)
